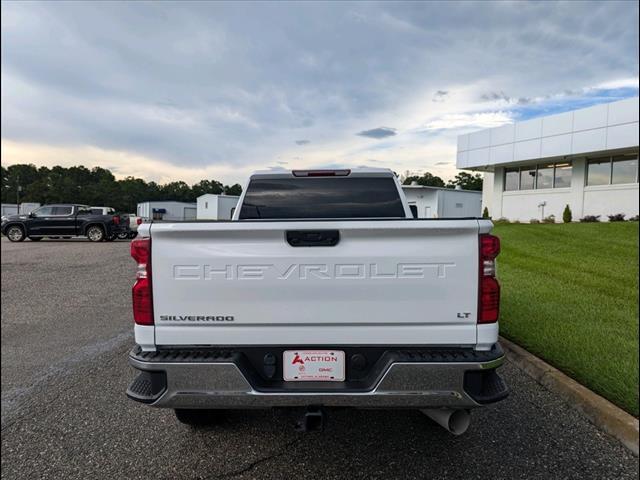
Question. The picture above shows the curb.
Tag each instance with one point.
(601, 412)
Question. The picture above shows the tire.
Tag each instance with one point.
(67, 238)
(132, 235)
(35, 239)
(123, 235)
(15, 233)
(110, 238)
(199, 417)
(95, 233)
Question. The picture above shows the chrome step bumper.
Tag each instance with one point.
(177, 380)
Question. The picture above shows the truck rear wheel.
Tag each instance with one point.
(95, 233)
(197, 417)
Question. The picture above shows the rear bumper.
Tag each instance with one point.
(424, 378)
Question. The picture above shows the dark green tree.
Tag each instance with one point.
(15, 176)
(426, 180)
(97, 186)
(567, 215)
(234, 189)
(466, 181)
(207, 186)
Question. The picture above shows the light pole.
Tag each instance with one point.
(18, 190)
(542, 205)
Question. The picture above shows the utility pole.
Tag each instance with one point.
(18, 188)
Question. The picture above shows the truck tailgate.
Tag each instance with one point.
(391, 282)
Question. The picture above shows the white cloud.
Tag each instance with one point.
(469, 120)
(213, 88)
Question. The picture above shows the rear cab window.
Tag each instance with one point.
(322, 197)
(62, 210)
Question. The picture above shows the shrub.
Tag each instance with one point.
(634, 219)
(502, 221)
(617, 217)
(566, 215)
(590, 218)
(534, 220)
(516, 221)
(485, 213)
(549, 219)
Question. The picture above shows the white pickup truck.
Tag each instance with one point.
(322, 291)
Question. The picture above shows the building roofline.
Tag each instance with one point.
(167, 201)
(428, 187)
(219, 195)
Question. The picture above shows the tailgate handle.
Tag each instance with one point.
(313, 238)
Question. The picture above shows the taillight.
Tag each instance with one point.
(142, 299)
(116, 219)
(139, 221)
(489, 288)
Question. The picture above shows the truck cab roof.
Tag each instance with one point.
(319, 172)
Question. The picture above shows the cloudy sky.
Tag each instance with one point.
(179, 91)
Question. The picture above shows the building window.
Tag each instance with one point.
(624, 169)
(544, 178)
(511, 179)
(527, 178)
(550, 175)
(599, 171)
(612, 170)
(562, 175)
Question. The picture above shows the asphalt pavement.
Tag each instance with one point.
(67, 328)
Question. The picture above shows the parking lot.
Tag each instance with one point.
(66, 330)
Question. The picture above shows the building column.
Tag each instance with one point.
(487, 191)
(578, 181)
(495, 210)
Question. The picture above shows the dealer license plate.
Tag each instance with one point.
(313, 365)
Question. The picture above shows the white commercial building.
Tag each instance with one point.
(216, 207)
(14, 208)
(437, 202)
(167, 210)
(587, 159)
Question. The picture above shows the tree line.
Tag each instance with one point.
(464, 180)
(98, 187)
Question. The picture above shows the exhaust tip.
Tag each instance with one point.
(459, 421)
(455, 422)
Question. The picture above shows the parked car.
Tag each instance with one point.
(324, 291)
(125, 220)
(134, 221)
(63, 220)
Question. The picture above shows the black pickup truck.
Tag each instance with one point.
(64, 220)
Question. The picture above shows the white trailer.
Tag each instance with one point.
(167, 211)
(216, 207)
(437, 202)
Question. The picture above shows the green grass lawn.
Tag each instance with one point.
(569, 295)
